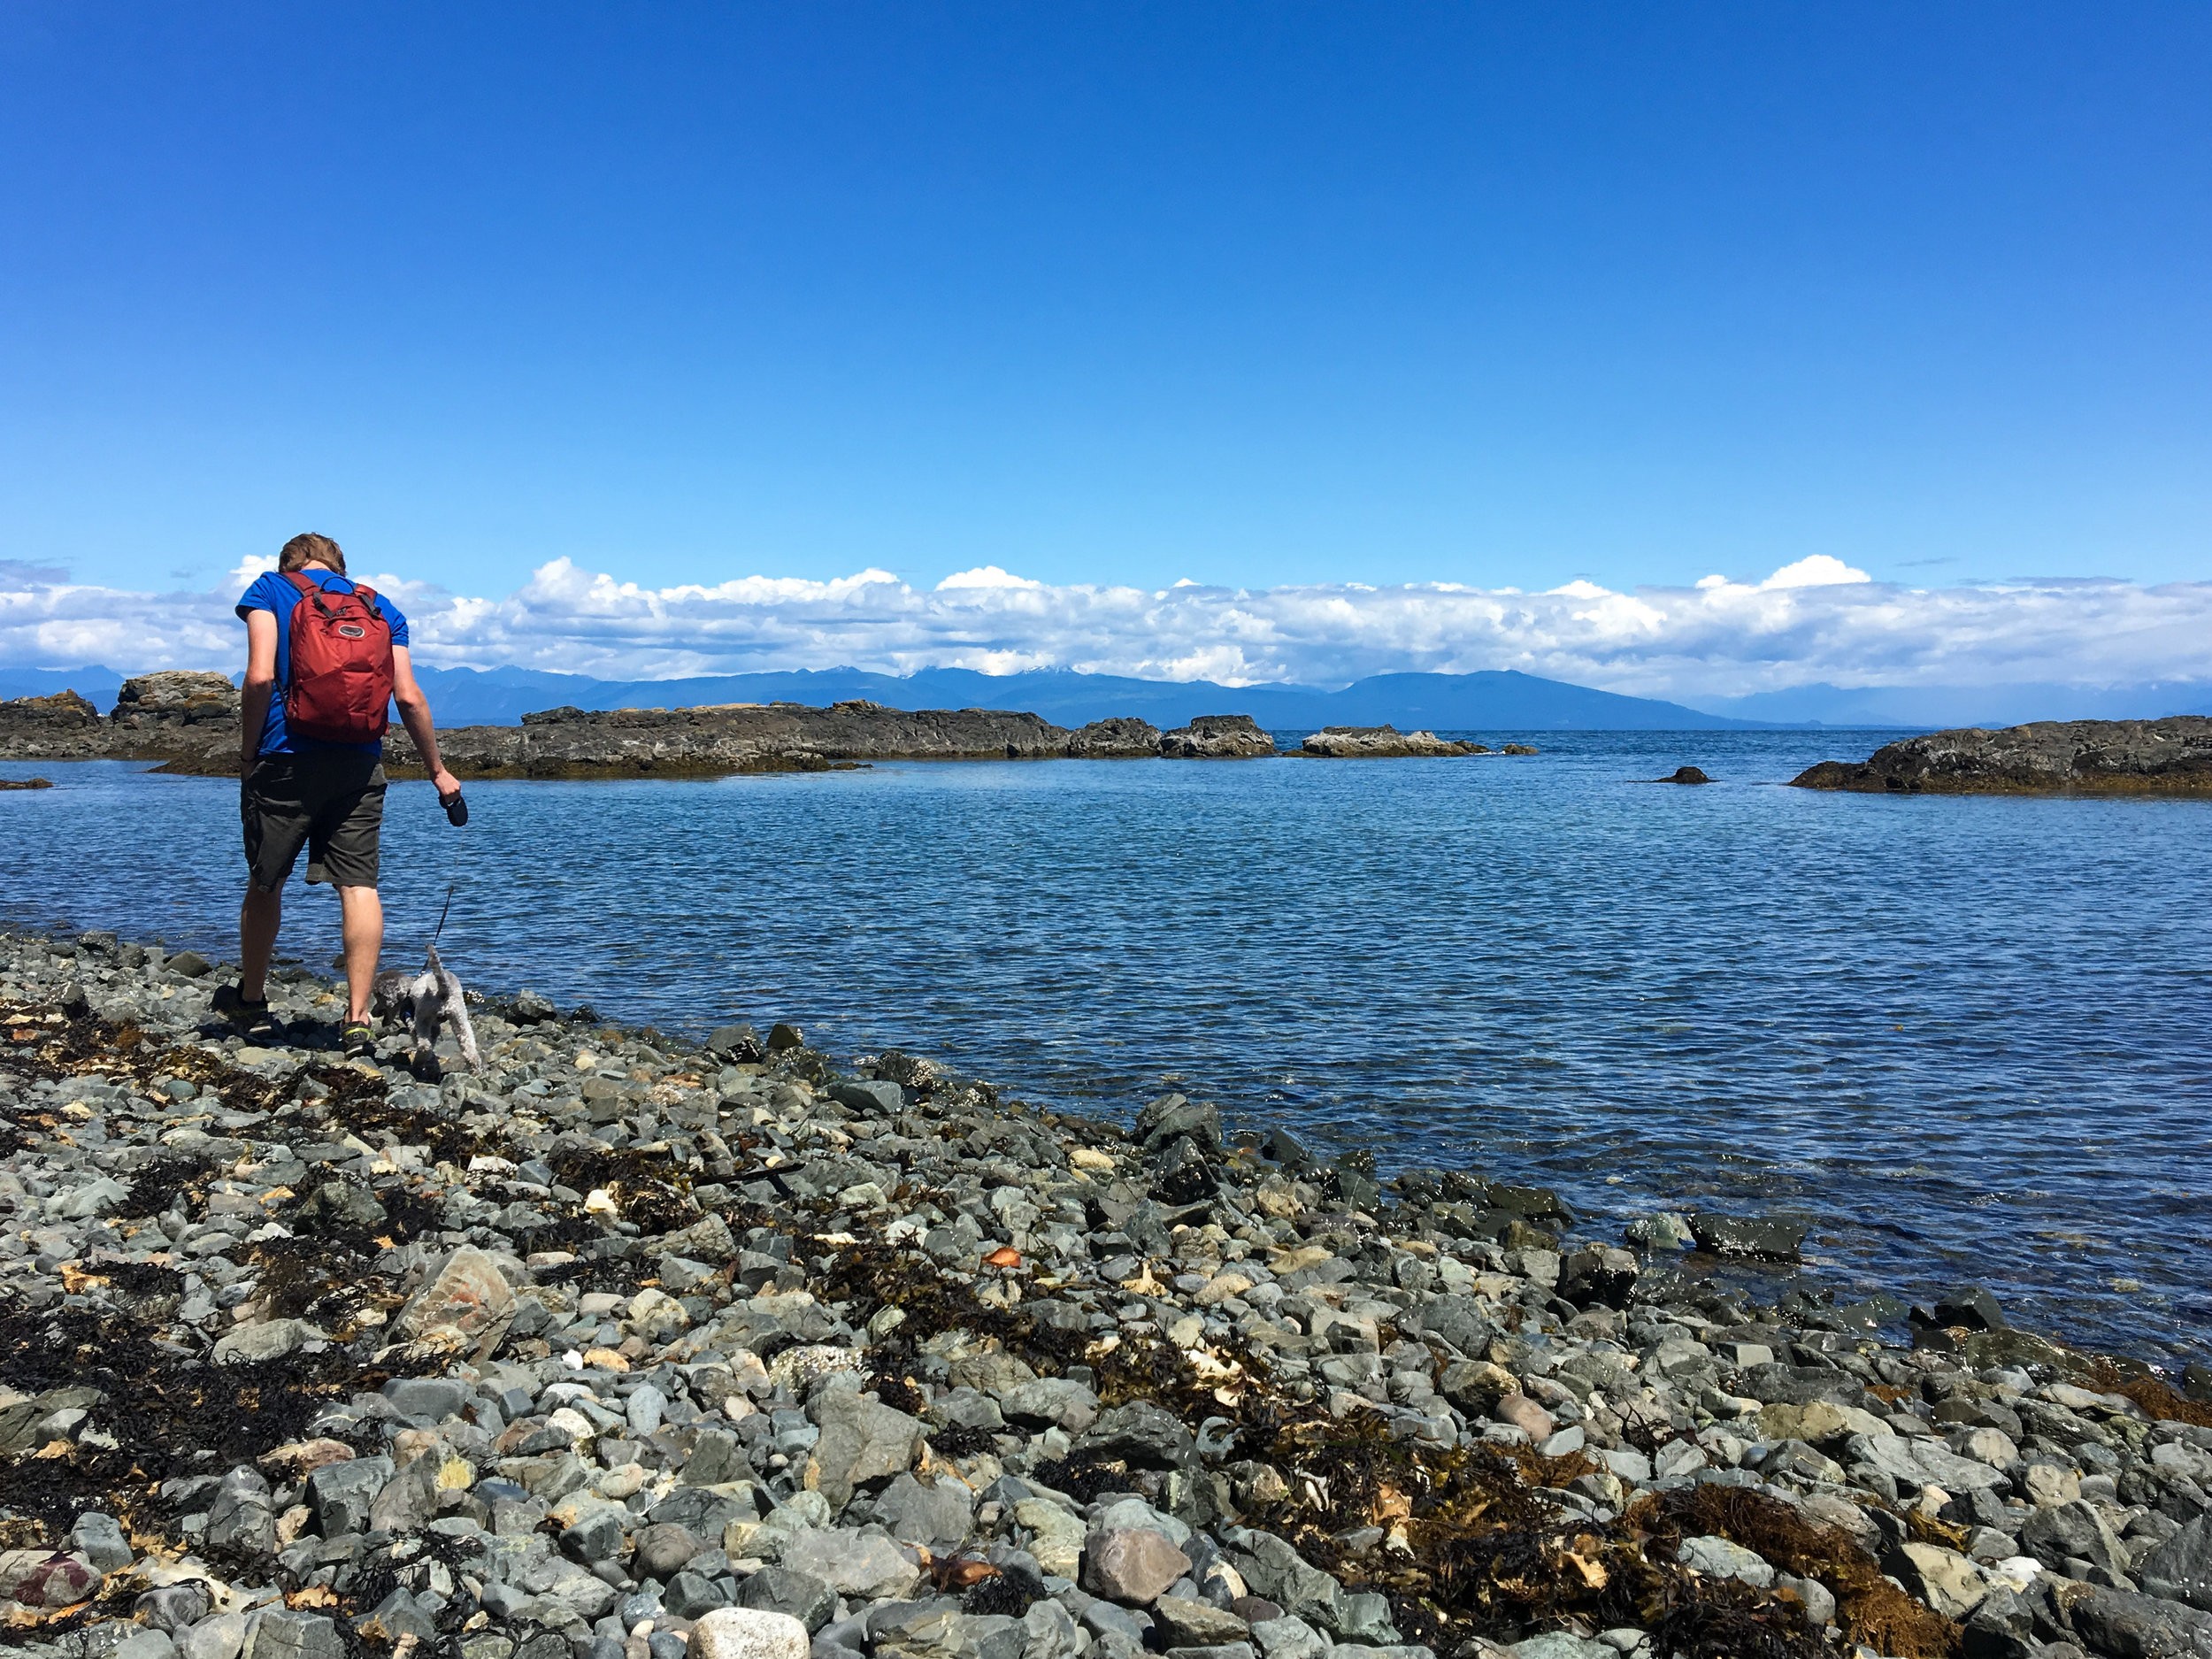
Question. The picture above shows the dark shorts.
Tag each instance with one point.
(331, 799)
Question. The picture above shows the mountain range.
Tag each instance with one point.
(1935, 708)
(1493, 700)
(1490, 700)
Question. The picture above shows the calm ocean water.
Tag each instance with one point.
(1970, 1037)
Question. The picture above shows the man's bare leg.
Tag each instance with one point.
(258, 920)
(363, 914)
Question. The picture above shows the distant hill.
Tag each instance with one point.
(1491, 700)
(99, 684)
(1938, 707)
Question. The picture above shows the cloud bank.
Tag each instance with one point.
(1818, 620)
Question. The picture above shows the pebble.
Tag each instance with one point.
(732, 1349)
(1133, 1565)
(737, 1632)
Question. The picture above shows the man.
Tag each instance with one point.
(328, 792)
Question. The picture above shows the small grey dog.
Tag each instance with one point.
(432, 995)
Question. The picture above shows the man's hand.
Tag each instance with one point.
(447, 786)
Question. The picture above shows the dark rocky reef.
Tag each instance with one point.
(188, 721)
(790, 737)
(2152, 757)
(1120, 737)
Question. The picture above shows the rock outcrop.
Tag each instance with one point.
(1381, 742)
(64, 726)
(1217, 737)
(1120, 737)
(177, 702)
(2171, 756)
(178, 715)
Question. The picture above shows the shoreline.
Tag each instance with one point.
(187, 722)
(1358, 1404)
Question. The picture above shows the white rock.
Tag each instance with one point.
(740, 1632)
(572, 1423)
(2019, 1571)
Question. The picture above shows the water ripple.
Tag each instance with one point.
(1969, 1036)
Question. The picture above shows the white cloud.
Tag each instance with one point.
(984, 576)
(1819, 571)
(1814, 620)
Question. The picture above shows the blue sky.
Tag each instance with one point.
(1253, 295)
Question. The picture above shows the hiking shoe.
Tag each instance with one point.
(247, 1018)
(358, 1040)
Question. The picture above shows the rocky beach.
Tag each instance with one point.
(629, 1346)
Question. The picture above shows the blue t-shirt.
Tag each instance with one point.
(278, 594)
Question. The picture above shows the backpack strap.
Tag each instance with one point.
(312, 589)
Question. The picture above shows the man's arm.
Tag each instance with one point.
(253, 696)
(414, 714)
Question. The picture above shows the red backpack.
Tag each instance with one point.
(340, 684)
